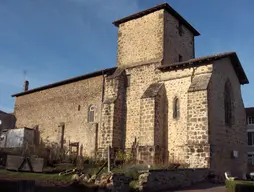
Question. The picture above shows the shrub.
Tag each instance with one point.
(90, 165)
(240, 186)
(131, 171)
(122, 156)
(170, 166)
(133, 185)
(50, 151)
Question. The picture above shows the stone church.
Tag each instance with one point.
(159, 99)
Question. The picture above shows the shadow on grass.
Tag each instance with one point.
(12, 186)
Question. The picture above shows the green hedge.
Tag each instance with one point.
(240, 186)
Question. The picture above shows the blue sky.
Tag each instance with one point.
(57, 39)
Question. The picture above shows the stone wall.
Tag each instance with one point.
(197, 131)
(111, 182)
(108, 110)
(141, 40)
(152, 114)
(153, 37)
(147, 119)
(120, 113)
(152, 180)
(141, 78)
(120, 183)
(177, 83)
(113, 113)
(159, 180)
(197, 137)
(224, 139)
(174, 43)
(66, 104)
(160, 116)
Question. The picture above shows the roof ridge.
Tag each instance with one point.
(67, 81)
(196, 59)
(233, 56)
(165, 6)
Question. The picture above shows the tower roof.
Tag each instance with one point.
(165, 6)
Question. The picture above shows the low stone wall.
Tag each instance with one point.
(121, 183)
(113, 182)
(156, 180)
(153, 180)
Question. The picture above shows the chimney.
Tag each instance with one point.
(26, 85)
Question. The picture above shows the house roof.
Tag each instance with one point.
(67, 81)
(3, 112)
(203, 60)
(165, 6)
(249, 110)
(191, 62)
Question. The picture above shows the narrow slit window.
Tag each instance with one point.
(176, 110)
(91, 113)
(128, 80)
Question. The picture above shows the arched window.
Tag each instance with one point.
(176, 110)
(91, 112)
(228, 104)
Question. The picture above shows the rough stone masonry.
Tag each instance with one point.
(159, 99)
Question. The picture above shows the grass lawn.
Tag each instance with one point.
(4, 174)
(240, 186)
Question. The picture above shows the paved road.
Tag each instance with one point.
(203, 187)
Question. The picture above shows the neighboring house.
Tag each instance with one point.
(250, 132)
(7, 120)
(159, 100)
